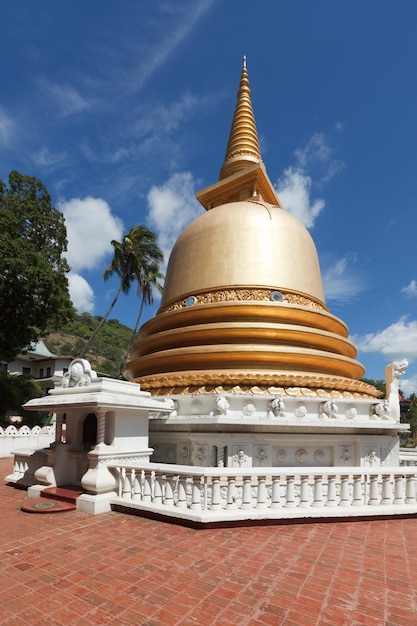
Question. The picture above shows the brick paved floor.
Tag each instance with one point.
(72, 568)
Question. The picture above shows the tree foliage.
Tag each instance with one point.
(135, 258)
(15, 390)
(33, 283)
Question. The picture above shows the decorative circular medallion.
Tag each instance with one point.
(190, 301)
(48, 504)
(276, 296)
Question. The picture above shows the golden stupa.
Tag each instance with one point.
(243, 309)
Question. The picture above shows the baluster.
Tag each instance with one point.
(331, 491)
(16, 467)
(344, 491)
(246, 493)
(386, 489)
(276, 492)
(261, 499)
(304, 495)
(373, 490)
(231, 492)
(215, 493)
(290, 492)
(147, 486)
(157, 490)
(182, 492)
(398, 490)
(196, 493)
(318, 491)
(410, 489)
(127, 486)
(169, 491)
(357, 499)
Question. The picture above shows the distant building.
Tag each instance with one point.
(46, 368)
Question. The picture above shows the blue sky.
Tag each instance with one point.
(123, 110)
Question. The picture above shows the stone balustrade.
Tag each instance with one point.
(14, 438)
(206, 495)
(408, 456)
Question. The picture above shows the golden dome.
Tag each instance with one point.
(247, 244)
(243, 308)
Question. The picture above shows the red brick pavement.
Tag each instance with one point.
(117, 569)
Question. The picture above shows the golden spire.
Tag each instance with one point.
(243, 146)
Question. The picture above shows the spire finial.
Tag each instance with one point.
(243, 146)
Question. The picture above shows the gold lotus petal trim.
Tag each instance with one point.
(243, 294)
(257, 383)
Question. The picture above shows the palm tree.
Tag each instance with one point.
(149, 281)
(133, 256)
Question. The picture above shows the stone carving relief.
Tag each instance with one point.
(222, 405)
(261, 455)
(79, 374)
(328, 409)
(300, 411)
(345, 455)
(249, 409)
(351, 413)
(371, 457)
(200, 455)
(184, 454)
(281, 456)
(301, 455)
(394, 373)
(276, 407)
(380, 410)
(319, 456)
(240, 457)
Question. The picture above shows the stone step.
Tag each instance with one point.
(67, 493)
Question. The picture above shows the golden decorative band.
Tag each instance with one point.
(246, 295)
(257, 384)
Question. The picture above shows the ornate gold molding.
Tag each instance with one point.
(257, 384)
(243, 294)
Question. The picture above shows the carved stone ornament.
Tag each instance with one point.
(276, 407)
(79, 374)
(235, 295)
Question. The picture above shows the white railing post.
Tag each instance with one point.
(318, 491)
(182, 492)
(344, 490)
(276, 492)
(410, 489)
(386, 489)
(246, 493)
(398, 489)
(304, 492)
(357, 499)
(331, 491)
(127, 486)
(373, 490)
(169, 491)
(231, 492)
(215, 494)
(196, 493)
(147, 486)
(261, 499)
(158, 488)
(290, 492)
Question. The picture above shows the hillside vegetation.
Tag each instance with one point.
(109, 346)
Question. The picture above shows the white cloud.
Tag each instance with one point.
(294, 189)
(411, 289)
(409, 385)
(172, 206)
(397, 341)
(66, 98)
(45, 158)
(6, 127)
(340, 281)
(184, 20)
(90, 228)
(81, 293)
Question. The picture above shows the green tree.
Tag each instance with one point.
(133, 258)
(33, 282)
(15, 390)
(146, 286)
